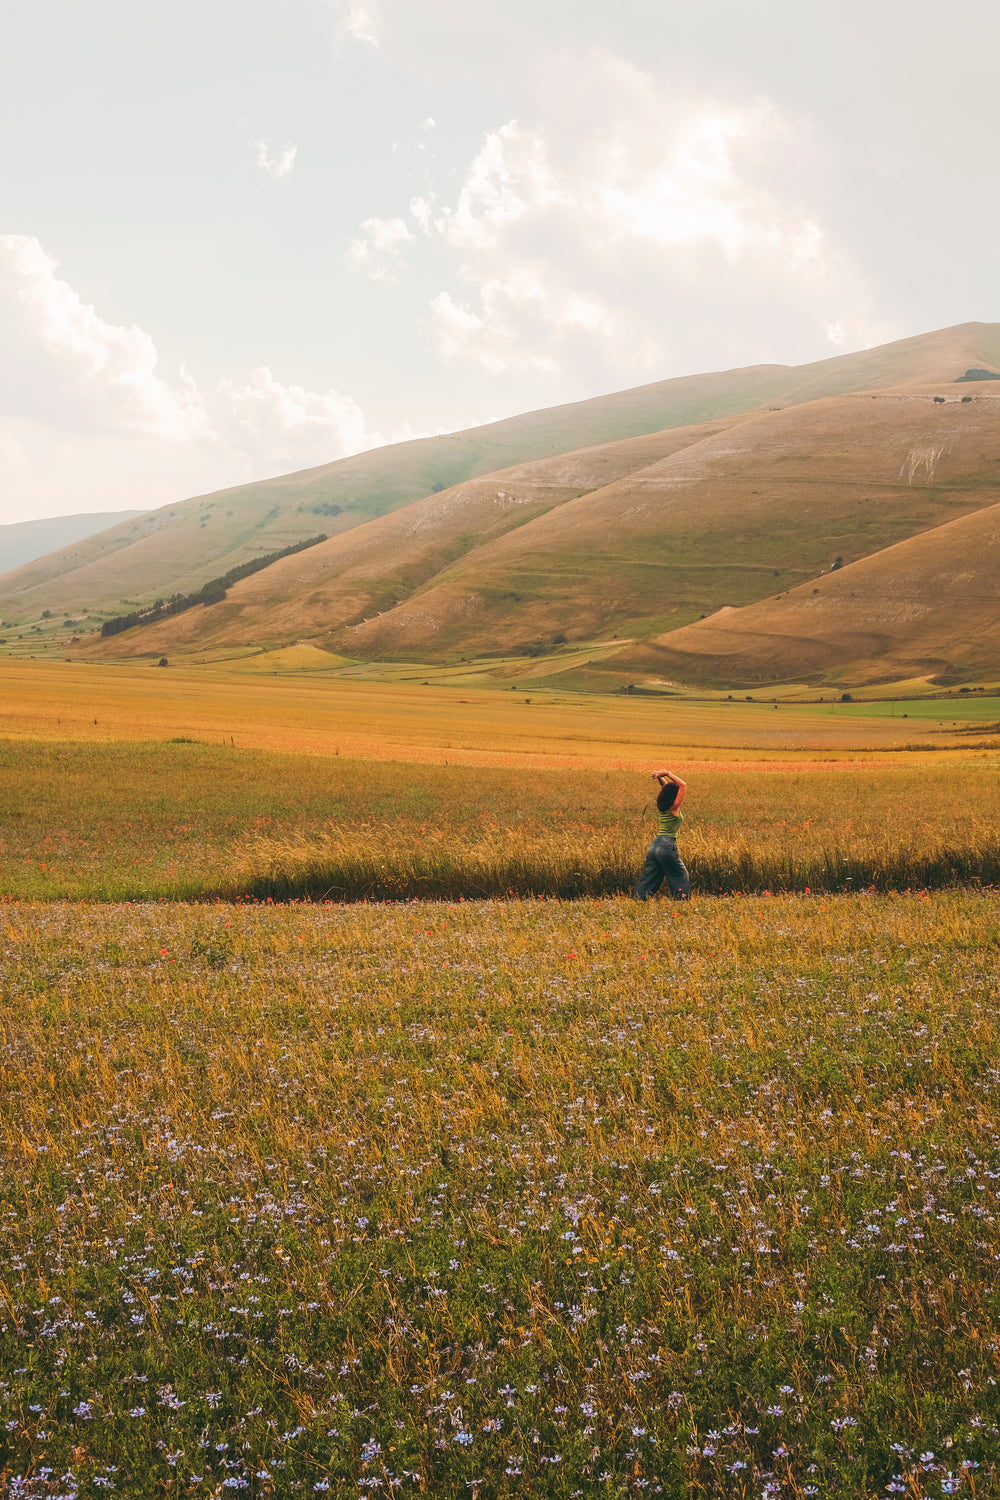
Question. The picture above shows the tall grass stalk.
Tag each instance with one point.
(188, 822)
(399, 862)
(393, 863)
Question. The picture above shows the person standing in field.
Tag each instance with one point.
(662, 860)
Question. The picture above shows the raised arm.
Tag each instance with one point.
(663, 776)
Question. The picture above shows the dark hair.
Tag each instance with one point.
(665, 796)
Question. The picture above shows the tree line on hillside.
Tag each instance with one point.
(209, 593)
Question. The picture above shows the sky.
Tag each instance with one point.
(244, 237)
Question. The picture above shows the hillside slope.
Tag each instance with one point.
(756, 510)
(370, 568)
(22, 541)
(181, 546)
(930, 606)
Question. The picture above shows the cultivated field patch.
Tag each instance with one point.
(188, 820)
(435, 723)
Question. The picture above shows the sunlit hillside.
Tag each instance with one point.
(739, 516)
(181, 546)
(23, 541)
(929, 605)
(373, 567)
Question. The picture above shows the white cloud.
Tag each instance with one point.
(510, 303)
(357, 20)
(601, 238)
(292, 424)
(88, 422)
(510, 178)
(422, 213)
(12, 453)
(56, 348)
(275, 162)
(693, 195)
(378, 252)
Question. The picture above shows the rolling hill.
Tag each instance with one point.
(929, 606)
(646, 537)
(22, 541)
(179, 547)
(745, 516)
(370, 568)
(758, 509)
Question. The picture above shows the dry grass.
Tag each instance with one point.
(501, 1199)
(916, 606)
(399, 860)
(491, 1198)
(134, 821)
(331, 714)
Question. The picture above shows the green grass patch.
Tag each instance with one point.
(962, 708)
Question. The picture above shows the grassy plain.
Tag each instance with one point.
(490, 1197)
(135, 783)
(181, 820)
(501, 1199)
(410, 714)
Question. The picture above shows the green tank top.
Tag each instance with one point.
(669, 824)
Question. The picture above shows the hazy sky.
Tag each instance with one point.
(239, 237)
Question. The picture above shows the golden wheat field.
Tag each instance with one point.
(321, 714)
(185, 820)
(359, 1135)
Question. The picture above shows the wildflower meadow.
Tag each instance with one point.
(501, 1198)
(359, 1136)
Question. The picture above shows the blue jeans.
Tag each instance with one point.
(663, 863)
